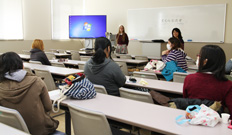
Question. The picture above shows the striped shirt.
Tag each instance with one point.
(178, 56)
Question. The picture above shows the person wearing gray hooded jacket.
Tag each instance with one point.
(102, 70)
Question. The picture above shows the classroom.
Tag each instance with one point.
(48, 20)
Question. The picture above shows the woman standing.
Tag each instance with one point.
(177, 34)
(122, 41)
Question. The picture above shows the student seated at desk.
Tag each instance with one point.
(27, 94)
(175, 53)
(37, 52)
(102, 70)
(229, 66)
(210, 82)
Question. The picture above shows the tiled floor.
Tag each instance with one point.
(61, 127)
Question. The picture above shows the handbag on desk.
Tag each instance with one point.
(154, 65)
(77, 87)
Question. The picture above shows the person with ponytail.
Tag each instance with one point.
(122, 41)
(102, 70)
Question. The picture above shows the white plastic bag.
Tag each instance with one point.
(206, 116)
(201, 115)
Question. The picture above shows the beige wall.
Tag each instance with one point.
(37, 23)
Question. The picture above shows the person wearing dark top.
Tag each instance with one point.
(102, 70)
(177, 34)
(37, 52)
(122, 41)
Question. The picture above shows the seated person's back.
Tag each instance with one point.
(100, 69)
(175, 53)
(27, 94)
(37, 52)
(210, 82)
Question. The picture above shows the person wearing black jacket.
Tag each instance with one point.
(37, 52)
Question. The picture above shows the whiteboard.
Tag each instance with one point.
(202, 23)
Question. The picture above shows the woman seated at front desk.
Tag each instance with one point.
(175, 53)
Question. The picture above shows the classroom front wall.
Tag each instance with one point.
(37, 23)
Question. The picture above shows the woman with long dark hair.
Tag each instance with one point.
(122, 41)
(210, 82)
(102, 70)
(27, 94)
(177, 34)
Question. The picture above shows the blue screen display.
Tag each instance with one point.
(87, 26)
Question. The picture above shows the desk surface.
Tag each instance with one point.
(163, 86)
(192, 67)
(133, 56)
(62, 54)
(69, 62)
(8, 130)
(54, 70)
(144, 115)
(24, 56)
(131, 61)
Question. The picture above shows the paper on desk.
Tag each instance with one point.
(143, 82)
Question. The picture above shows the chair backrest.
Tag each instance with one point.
(50, 55)
(100, 89)
(85, 58)
(145, 75)
(81, 66)
(141, 58)
(136, 95)
(35, 62)
(123, 67)
(28, 70)
(75, 55)
(47, 78)
(26, 52)
(82, 118)
(179, 77)
(12, 118)
(125, 56)
(58, 64)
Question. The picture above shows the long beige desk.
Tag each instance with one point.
(24, 57)
(69, 62)
(8, 130)
(192, 67)
(163, 86)
(133, 56)
(54, 70)
(131, 61)
(144, 115)
(62, 54)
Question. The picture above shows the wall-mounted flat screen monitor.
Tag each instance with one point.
(87, 26)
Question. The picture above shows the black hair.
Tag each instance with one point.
(175, 42)
(10, 62)
(101, 44)
(179, 36)
(216, 61)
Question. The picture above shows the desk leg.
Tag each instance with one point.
(67, 122)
